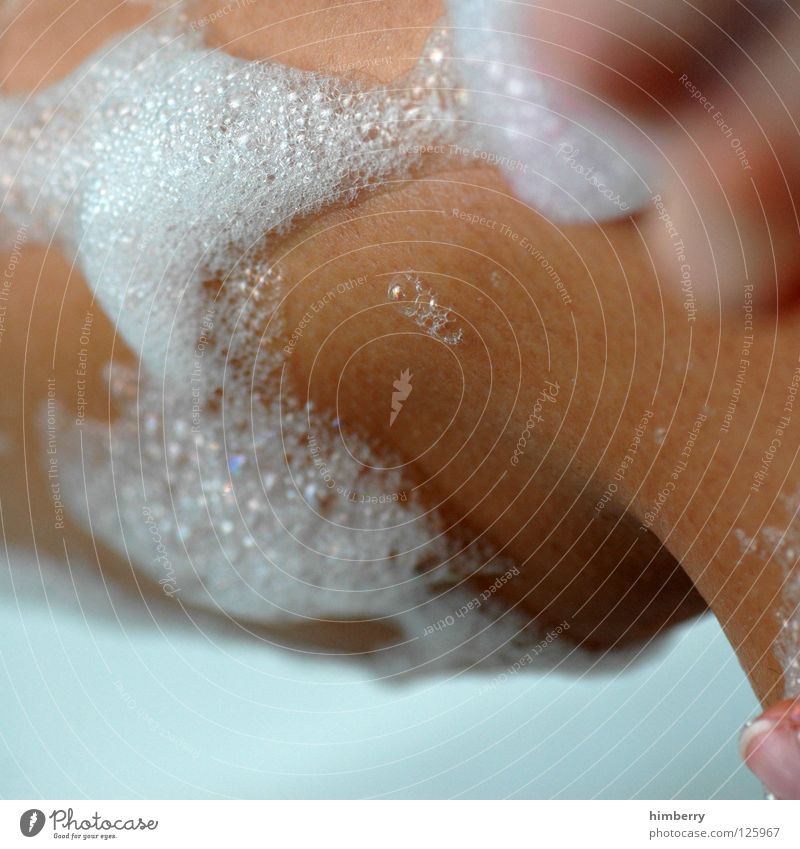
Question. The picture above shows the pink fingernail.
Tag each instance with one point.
(770, 746)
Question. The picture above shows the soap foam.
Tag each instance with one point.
(780, 547)
(166, 168)
(587, 165)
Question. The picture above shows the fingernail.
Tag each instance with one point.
(770, 747)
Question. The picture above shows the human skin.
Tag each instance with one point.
(709, 77)
(624, 346)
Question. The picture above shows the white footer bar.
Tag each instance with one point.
(401, 825)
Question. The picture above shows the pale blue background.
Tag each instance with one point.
(118, 706)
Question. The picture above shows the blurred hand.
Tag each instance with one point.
(717, 85)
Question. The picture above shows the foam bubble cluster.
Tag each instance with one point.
(158, 161)
(574, 163)
(242, 501)
(166, 168)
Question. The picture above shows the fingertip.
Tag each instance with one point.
(770, 747)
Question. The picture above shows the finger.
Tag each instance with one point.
(627, 51)
(732, 176)
(770, 746)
